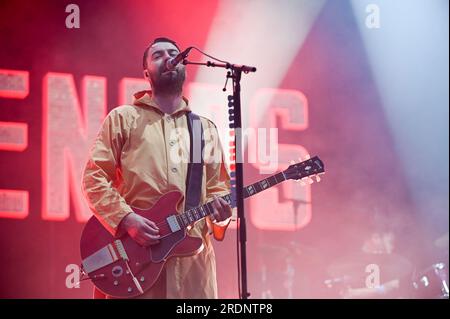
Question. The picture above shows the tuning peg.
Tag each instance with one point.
(307, 180)
(291, 162)
(302, 183)
(307, 157)
(317, 178)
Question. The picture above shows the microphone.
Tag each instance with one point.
(173, 62)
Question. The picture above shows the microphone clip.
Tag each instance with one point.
(226, 80)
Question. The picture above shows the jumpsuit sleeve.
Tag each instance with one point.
(100, 174)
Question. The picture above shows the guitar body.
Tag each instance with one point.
(146, 263)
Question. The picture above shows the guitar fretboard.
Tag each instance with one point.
(192, 215)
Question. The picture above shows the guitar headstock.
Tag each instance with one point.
(304, 169)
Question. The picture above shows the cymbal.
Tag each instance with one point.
(391, 266)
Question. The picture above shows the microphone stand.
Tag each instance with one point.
(236, 124)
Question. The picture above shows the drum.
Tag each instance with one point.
(432, 282)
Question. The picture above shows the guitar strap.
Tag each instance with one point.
(195, 165)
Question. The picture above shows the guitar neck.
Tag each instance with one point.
(192, 215)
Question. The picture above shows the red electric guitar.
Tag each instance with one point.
(121, 268)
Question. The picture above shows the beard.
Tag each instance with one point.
(169, 83)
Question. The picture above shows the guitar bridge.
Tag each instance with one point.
(173, 223)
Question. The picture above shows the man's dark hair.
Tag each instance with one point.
(161, 39)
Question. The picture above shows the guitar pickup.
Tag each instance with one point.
(173, 223)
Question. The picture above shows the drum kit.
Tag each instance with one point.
(433, 281)
(352, 276)
(365, 274)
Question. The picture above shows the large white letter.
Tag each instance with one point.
(67, 134)
(292, 200)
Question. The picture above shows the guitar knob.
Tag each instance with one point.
(142, 279)
(130, 289)
(116, 283)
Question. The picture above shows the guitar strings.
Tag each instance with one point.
(164, 223)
